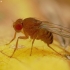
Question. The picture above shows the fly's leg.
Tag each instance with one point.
(12, 39)
(21, 37)
(64, 50)
(34, 37)
(9, 43)
(54, 50)
(32, 47)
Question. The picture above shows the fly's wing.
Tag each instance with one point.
(55, 28)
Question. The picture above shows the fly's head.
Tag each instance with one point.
(18, 25)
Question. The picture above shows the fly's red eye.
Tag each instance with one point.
(18, 27)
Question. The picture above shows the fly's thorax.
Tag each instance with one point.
(30, 23)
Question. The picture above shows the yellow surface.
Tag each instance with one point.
(42, 57)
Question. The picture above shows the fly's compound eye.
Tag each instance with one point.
(18, 25)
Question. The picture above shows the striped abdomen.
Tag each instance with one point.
(45, 36)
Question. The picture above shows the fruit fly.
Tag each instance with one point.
(39, 30)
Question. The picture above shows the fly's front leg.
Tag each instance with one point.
(20, 37)
(12, 39)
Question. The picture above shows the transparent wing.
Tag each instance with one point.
(55, 28)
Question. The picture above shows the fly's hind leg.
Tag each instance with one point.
(54, 50)
(67, 52)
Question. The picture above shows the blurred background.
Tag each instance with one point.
(10, 11)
